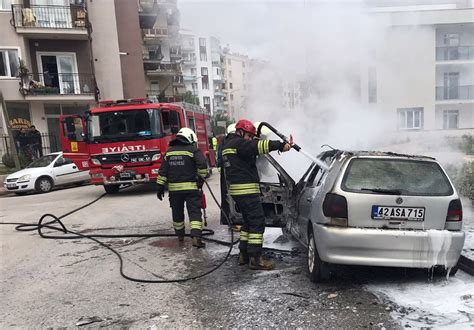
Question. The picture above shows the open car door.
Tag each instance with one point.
(73, 140)
(277, 194)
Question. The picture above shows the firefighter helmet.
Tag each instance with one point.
(231, 129)
(246, 126)
(188, 134)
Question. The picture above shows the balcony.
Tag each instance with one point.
(175, 53)
(189, 61)
(459, 53)
(164, 69)
(44, 22)
(178, 81)
(58, 86)
(219, 93)
(154, 35)
(147, 13)
(189, 78)
(458, 93)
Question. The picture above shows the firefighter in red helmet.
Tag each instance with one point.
(239, 154)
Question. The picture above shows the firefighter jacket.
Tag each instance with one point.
(183, 167)
(239, 159)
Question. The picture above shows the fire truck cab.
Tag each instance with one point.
(123, 142)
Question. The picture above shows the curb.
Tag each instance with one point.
(466, 265)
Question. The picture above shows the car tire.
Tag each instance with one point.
(318, 270)
(44, 184)
(23, 193)
(112, 188)
(442, 271)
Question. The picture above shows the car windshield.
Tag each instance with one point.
(396, 176)
(43, 161)
(125, 125)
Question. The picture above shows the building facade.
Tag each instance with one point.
(60, 57)
(236, 71)
(422, 75)
(202, 70)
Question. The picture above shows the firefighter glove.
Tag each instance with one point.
(161, 192)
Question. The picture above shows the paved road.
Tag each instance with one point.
(54, 283)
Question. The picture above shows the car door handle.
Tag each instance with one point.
(74, 167)
(309, 199)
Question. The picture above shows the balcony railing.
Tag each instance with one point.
(165, 69)
(189, 78)
(157, 33)
(50, 17)
(457, 53)
(455, 93)
(57, 84)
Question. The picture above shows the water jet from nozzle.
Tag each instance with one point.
(318, 162)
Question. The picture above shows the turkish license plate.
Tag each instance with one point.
(125, 175)
(398, 213)
(11, 185)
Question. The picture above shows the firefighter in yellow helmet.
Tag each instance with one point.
(183, 170)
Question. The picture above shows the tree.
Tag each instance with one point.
(218, 120)
(189, 97)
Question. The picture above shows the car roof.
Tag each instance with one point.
(367, 153)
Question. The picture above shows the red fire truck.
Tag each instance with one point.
(123, 142)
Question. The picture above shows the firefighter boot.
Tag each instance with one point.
(197, 242)
(243, 258)
(260, 263)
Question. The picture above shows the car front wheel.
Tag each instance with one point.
(112, 188)
(318, 270)
(44, 185)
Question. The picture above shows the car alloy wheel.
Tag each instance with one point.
(318, 270)
(44, 185)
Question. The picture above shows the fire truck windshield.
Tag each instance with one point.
(125, 125)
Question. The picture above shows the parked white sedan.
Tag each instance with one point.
(45, 173)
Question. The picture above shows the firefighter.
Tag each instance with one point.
(183, 170)
(224, 204)
(214, 143)
(239, 155)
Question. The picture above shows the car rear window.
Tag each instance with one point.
(410, 177)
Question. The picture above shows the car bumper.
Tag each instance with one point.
(390, 248)
(19, 187)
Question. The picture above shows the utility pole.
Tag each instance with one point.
(9, 132)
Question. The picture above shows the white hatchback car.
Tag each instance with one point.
(45, 173)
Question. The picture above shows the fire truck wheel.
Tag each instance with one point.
(112, 189)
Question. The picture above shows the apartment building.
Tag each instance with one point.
(202, 71)
(422, 76)
(236, 70)
(61, 56)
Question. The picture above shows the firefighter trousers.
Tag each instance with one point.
(193, 202)
(251, 232)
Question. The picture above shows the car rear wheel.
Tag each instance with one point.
(44, 185)
(318, 270)
(112, 189)
(442, 271)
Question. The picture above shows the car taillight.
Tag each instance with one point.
(335, 207)
(454, 210)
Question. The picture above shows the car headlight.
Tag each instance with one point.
(156, 157)
(24, 178)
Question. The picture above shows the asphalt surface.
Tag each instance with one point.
(64, 283)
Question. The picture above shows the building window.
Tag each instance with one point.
(451, 39)
(9, 62)
(231, 97)
(410, 118)
(372, 85)
(203, 56)
(202, 42)
(205, 85)
(193, 72)
(230, 86)
(230, 73)
(450, 119)
(207, 102)
(204, 71)
(194, 87)
(5, 4)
